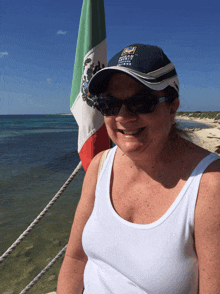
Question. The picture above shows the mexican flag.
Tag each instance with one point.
(91, 56)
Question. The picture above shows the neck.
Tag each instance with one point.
(155, 160)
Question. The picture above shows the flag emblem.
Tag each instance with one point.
(129, 50)
(89, 69)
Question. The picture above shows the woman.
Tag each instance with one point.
(151, 223)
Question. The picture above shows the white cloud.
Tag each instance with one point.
(2, 54)
(60, 32)
(50, 81)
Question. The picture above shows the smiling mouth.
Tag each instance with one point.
(132, 133)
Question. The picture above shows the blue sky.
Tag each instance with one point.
(38, 43)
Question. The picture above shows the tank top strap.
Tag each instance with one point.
(108, 160)
(105, 172)
(204, 163)
(194, 182)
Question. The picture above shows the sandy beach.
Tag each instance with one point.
(207, 138)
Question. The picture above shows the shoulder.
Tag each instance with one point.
(94, 164)
(207, 213)
(210, 181)
(207, 229)
(92, 171)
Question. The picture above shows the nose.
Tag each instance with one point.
(125, 114)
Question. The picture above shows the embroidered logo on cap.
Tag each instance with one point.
(129, 50)
(127, 56)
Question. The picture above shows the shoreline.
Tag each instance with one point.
(209, 121)
(207, 138)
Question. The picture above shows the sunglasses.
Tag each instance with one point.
(139, 104)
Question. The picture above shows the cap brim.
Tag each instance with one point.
(99, 82)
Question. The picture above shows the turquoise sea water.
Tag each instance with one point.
(37, 155)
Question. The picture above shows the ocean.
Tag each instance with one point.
(37, 155)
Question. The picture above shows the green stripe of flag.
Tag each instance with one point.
(91, 33)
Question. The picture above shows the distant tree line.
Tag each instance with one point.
(199, 114)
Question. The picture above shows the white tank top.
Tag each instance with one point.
(128, 258)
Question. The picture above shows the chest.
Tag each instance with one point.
(143, 202)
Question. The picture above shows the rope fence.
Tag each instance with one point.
(41, 215)
(40, 275)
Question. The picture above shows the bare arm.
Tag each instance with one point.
(207, 230)
(70, 280)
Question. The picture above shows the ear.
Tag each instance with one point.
(173, 109)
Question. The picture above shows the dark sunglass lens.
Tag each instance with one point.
(148, 106)
(112, 109)
(109, 106)
(141, 104)
(146, 109)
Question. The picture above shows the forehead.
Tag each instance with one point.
(122, 85)
(121, 82)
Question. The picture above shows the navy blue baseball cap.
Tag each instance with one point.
(147, 64)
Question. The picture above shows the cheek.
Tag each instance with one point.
(110, 124)
(108, 120)
(159, 122)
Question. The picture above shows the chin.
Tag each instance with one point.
(132, 148)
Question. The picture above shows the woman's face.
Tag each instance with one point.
(138, 132)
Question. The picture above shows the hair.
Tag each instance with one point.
(171, 92)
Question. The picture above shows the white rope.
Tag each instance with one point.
(41, 215)
(40, 275)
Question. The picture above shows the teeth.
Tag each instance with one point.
(131, 132)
